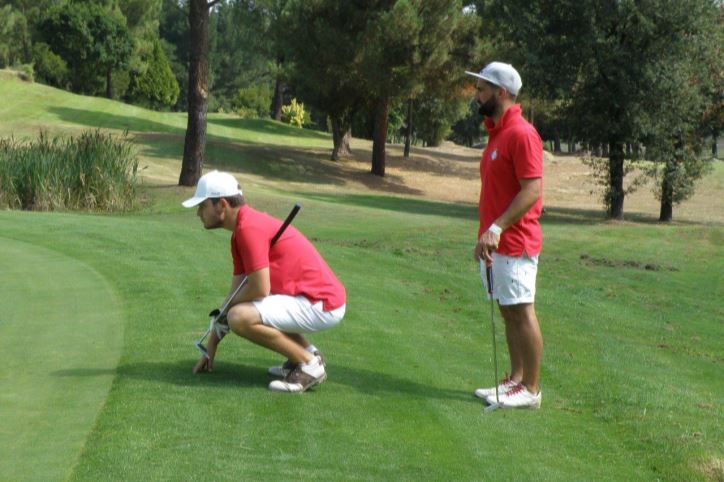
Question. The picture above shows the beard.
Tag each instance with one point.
(488, 108)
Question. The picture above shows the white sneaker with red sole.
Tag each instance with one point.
(517, 397)
(504, 385)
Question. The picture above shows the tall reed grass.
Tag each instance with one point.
(91, 171)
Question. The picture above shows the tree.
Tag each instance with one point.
(155, 86)
(90, 40)
(404, 40)
(246, 51)
(173, 30)
(198, 92)
(467, 131)
(609, 50)
(683, 98)
(15, 46)
(323, 41)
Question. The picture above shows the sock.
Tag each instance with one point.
(314, 367)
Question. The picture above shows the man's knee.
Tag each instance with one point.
(243, 317)
(518, 314)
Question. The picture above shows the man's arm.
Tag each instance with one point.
(530, 192)
(258, 286)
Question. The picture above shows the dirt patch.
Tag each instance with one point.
(713, 469)
(626, 263)
(447, 173)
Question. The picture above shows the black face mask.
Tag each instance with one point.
(488, 108)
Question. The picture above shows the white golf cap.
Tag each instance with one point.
(213, 184)
(502, 75)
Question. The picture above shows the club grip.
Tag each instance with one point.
(489, 276)
(286, 223)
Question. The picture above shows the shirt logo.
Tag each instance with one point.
(494, 155)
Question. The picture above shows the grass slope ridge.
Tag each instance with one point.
(26, 108)
(61, 337)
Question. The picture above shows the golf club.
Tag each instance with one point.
(220, 313)
(489, 276)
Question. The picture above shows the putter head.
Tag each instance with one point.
(202, 349)
(491, 407)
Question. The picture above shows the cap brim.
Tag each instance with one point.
(482, 77)
(194, 201)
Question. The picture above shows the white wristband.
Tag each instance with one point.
(494, 228)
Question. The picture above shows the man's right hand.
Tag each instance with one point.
(207, 364)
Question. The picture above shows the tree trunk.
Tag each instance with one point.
(341, 135)
(408, 130)
(557, 143)
(532, 115)
(667, 185)
(379, 136)
(667, 192)
(278, 99)
(615, 187)
(109, 83)
(714, 147)
(198, 94)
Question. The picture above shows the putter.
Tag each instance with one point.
(489, 276)
(222, 312)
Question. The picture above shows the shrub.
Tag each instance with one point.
(155, 86)
(50, 68)
(25, 72)
(294, 114)
(247, 113)
(92, 171)
(252, 101)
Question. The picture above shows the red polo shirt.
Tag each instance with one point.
(295, 266)
(514, 152)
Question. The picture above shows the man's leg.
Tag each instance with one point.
(525, 342)
(245, 321)
(299, 339)
(516, 356)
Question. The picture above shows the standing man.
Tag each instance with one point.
(509, 236)
(290, 289)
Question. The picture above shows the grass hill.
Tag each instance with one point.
(100, 313)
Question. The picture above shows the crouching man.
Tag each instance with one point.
(290, 290)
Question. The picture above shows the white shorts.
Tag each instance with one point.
(296, 314)
(513, 278)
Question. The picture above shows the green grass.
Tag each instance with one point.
(631, 373)
(29, 108)
(60, 321)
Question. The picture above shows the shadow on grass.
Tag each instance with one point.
(264, 126)
(590, 217)
(398, 204)
(236, 375)
(273, 162)
(96, 119)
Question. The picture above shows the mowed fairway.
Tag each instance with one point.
(631, 316)
(61, 334)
